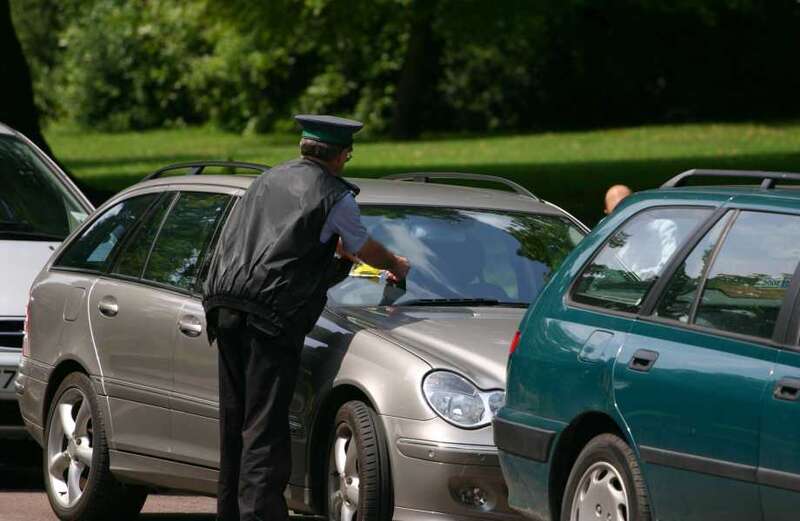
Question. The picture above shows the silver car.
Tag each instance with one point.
(397, 386)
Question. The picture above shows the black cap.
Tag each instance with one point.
(329, 129)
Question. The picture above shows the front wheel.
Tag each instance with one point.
(77, 478)
(359, 481)
(605, 484)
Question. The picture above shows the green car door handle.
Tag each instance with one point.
(643, 360)
(787, 389)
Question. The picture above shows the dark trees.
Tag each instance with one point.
(17, 107)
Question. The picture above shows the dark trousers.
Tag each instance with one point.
(257, 376)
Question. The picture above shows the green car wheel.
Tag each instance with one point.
(605, 484)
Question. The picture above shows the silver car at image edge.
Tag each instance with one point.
(39, 206)
(397, 386)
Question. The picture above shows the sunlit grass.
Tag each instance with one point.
(570, 168)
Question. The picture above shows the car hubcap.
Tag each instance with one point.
(601, 495)
(343, 481)
(69, 448)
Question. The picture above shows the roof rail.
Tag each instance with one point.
(425, 177)
(768, 179)
(197, 167)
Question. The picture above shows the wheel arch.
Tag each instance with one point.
(63, 369)
(318, 446)
(569, 445)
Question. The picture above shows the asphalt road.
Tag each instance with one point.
(22, 496)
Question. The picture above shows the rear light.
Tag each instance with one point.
(514, 343)
(26, 331)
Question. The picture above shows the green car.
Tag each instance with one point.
(657, 376)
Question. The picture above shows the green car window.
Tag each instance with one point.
(95, 247)
(752, 270)
(184, 237)
(680, 294)
(634, 256)
(134, 254)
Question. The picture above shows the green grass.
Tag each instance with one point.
(572, 169)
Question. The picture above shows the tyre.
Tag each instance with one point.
(606, 484)
(77, 479)
(358, 475)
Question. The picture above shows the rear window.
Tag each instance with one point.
(635, 255)
(34, 204)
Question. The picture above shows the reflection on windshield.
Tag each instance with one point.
(461, 254)
(33, 203)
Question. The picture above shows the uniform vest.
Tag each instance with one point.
(269, 260)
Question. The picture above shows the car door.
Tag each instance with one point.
(779, 464)
(691, 378)
(133, 328)
(174, 264)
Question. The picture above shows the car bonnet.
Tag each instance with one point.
(472, 341)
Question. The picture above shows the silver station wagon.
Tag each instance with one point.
(391, 417)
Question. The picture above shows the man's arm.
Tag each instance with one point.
(377, 255)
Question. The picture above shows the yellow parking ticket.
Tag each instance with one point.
(365, 270)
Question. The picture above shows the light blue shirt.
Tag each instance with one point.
(344, 220)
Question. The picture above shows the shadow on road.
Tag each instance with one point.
(21, 466)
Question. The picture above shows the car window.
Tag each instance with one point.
(460, 254)
(752, 270)
(34, 203)
(95, 247)
(184, 236)
(679, 296)
(634, 256)
(133, 256)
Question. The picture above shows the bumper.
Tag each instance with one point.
(459, 478)
(11, 425)
(30, 389)
(524, 452)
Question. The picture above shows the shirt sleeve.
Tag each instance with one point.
(344, 220)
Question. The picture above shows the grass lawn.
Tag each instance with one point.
(572, 169)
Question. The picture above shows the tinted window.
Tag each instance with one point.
(134, 254)
(95, 247)
(184, 236)
(34, 204)
(633, 258)
(679, 296)
(461, 254)
(750, 275)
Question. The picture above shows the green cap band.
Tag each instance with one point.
(344, 138)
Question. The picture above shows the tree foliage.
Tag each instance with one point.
(407, 66)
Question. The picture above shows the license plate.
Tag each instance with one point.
(7, 380)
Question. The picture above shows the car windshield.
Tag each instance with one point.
(460, 256)
(34, 204)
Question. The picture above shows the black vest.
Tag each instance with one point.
(269, 260)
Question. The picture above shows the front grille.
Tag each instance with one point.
(11, 332)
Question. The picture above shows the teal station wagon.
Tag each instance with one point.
(658, 374)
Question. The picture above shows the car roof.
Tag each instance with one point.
(5, 129)
(392, 192)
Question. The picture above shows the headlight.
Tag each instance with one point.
(459, 401)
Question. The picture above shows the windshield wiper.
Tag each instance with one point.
(29, 236)
(460, 302)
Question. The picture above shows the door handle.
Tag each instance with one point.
(190, 326)
(787, 389)
(108, 306)
(643, 360)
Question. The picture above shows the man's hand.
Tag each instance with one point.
(375, 254)
(400, 269)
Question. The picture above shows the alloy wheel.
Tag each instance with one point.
(343, 481)
(600, 496)
(69, 447)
